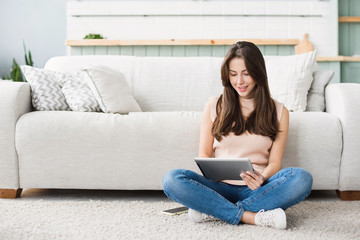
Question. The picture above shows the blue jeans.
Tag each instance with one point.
(228, 202)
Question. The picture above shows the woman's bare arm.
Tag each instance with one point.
(255, 180)
(278, 147)
(206, 138)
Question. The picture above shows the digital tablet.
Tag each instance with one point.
(223, 168)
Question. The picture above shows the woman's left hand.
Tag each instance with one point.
(252, 180)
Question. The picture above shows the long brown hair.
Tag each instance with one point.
(263, 120)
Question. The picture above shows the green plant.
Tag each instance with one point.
(28, 59)
(15, 71)
(93, 36)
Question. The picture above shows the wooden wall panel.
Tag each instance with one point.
(113, 50)
(349, 40)
(350, 72)
(127, 50)
(179, 50)
(191, 51)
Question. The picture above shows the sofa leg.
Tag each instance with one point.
(348, 195)
(10, 193)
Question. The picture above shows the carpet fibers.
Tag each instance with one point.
(96, 219)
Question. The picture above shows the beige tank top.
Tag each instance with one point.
(246, 145)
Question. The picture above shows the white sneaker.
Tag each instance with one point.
(273, 218)
(198, 217)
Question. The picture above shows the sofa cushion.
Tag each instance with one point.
(77, 93)
(185, 83)
(111, 90)
(315, 144)
(103, 151)
(316, 94)
(290, 78)
(89, 150)
(176, 83)
(73, 64)
(45, 89)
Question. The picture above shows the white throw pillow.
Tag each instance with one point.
(46, 91)
(316, 94)
(290, 78)
(111, 90)
(77, 93)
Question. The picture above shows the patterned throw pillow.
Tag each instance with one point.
(46, 91)
(77, 93)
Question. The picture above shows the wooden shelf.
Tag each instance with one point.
(351, 59)
(349, 19)
(330, 59)
(338, 59)
(106, 42)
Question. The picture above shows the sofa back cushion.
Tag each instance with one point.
(162, 84)
(176, 83)
(74, 64)
(157, 83)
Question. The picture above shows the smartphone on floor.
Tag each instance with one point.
(176, 211)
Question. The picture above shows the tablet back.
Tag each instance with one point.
(223, 168)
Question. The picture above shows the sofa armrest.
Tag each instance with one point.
(15, 100)
(343, 100)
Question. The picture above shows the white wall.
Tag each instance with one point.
(41, 24)
(223, 20)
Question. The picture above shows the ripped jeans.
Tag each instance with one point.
(228, 202)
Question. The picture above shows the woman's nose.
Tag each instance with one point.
(239, 80)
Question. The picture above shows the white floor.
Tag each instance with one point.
(113, 195)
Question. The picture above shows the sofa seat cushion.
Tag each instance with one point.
(90, 150)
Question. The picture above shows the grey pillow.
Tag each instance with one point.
(77, 93)
(45, 89)
(111, 90)
(316, 93)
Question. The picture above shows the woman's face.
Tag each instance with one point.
(240, 79)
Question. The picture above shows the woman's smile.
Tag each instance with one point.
(242, 89)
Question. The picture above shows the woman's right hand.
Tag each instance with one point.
(252, 180)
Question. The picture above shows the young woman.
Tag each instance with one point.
(244, 121)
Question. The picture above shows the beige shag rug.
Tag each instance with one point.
(89, 219)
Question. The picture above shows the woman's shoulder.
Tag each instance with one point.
(212, 101)
(279, 108)
(214, 98)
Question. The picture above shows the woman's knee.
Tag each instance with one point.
(303, 178)
(171, 179)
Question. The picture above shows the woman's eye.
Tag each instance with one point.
(246, 74)
(233, 75)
